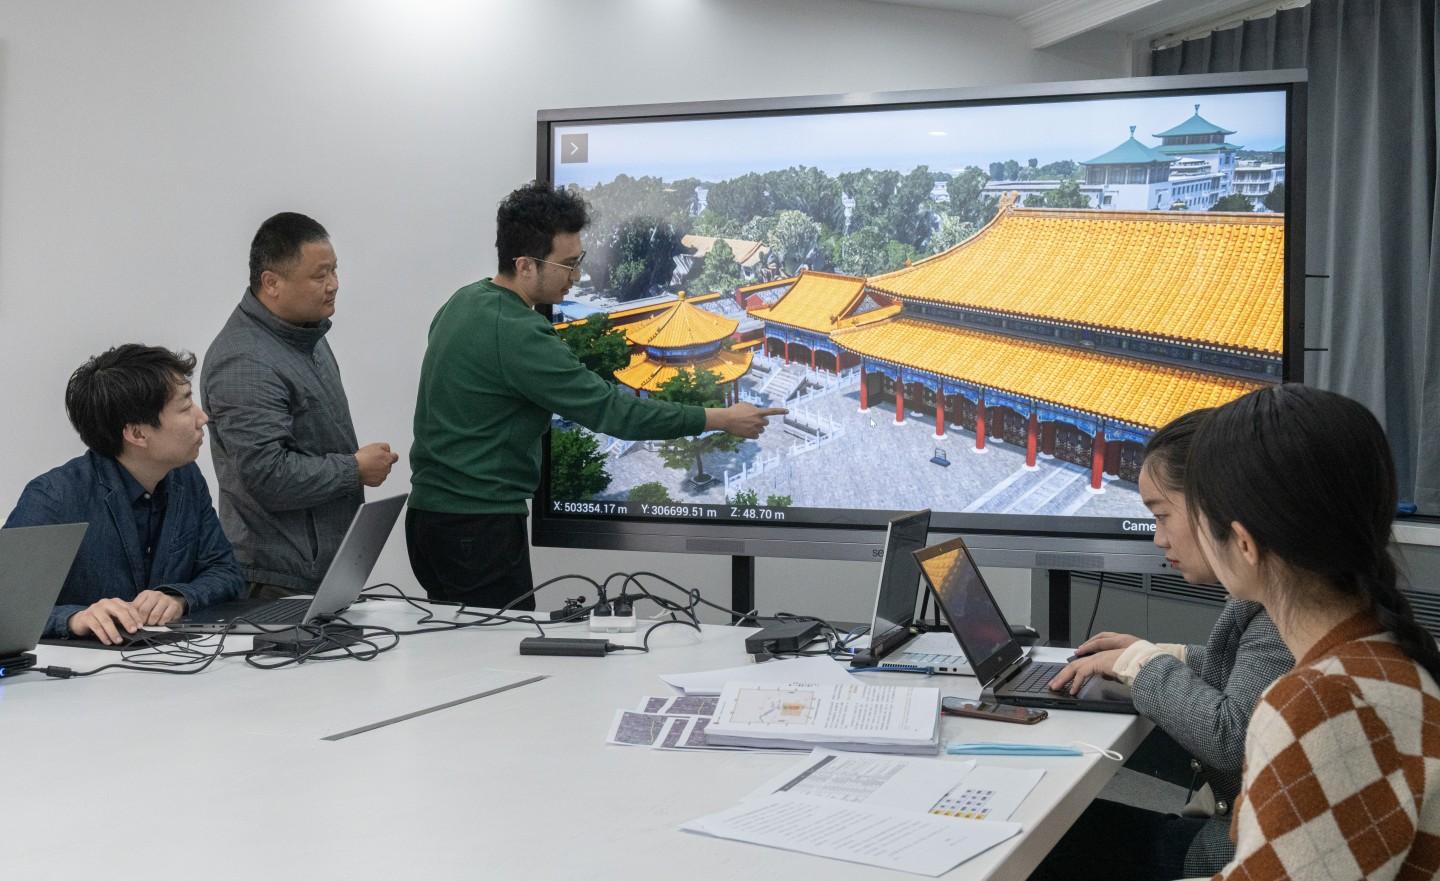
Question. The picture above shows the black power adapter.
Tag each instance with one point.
(781, 637)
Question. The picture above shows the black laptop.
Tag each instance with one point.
(343, 581)
(897, 641)
(997, 659)
(34, 561)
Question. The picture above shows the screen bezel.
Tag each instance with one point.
(1038, 542)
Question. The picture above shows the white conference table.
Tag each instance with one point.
(228, 774)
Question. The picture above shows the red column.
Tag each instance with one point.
(787, 351)
(980, 423)
(1097, 458)
(940, 412)
(899, 401)
(864, 391)
(1031, 430)
(812, 359)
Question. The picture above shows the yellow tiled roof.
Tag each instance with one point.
(681, 324)
(1205, 278)
(642, 373)
(816, 302)
(1136, 392)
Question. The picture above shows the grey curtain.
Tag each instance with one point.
(1372, 200)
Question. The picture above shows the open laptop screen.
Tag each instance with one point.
(973, 614)
(899, 580)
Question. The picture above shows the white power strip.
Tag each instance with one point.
(613, 623)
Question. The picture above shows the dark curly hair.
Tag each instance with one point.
(531, 217)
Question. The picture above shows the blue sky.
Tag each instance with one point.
(944, 139)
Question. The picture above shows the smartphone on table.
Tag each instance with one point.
(959, 706)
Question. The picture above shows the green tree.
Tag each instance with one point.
(1034, 200)
(611, 203)
(720, 272)
(758, 229)
(641, 255)
(866, 251)
(577, 467)
(701, 388)
(808, 190)
(1233, 202)
(1275, 199)
(711, 223)
(793, 239)
(746, 498)
(652, 493)
(599, 346)
(968, 201)
(952, 232)
(778, 501)
(1058, 170)
(1067, 195)
(740, 199)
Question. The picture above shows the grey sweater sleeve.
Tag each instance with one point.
(1208, 721)
(250, 406)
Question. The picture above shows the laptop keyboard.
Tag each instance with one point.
(1035, 678)
(278, 612)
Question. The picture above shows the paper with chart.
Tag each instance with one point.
(989, 792)
(849, 717)
(908, 841)
(963, 790)
(865, 778)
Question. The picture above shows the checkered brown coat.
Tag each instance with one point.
(1342, 767)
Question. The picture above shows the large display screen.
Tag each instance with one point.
(983, 307)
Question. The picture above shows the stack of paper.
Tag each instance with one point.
(846, 717)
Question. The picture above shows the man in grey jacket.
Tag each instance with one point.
(291, 471)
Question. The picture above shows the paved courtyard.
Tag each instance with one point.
(870, 462)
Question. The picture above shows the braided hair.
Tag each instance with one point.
(1310, 475)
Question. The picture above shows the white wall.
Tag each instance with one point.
(142, 141)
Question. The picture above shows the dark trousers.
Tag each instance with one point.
(476, 559)
(1118, 842)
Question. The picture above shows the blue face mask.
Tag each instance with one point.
(990, 748)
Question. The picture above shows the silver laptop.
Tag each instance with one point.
(34, 561)
(896, 638)
(341, 586)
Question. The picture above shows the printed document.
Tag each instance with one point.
(890, 838)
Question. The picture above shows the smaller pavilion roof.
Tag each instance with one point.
(680, 325)
(1195, 125)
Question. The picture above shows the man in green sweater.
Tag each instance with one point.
(494, 374)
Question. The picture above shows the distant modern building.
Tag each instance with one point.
(1131, 177)
(1255, 178)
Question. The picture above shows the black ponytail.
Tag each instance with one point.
(1310, 475)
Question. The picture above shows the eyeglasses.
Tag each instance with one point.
(571, 268)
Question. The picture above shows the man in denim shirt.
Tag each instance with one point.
(154, 547)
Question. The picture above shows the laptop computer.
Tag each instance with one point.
(34, 561)
(896, 639)
(1008, 676)
(341, 586)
